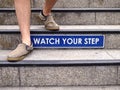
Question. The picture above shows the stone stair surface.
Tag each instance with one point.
(70, 18)
(63, 88)
(33, 73)
(43, 68)
(10, 35)
(44, 76)
(68, 54)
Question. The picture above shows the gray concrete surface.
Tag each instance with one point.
(10, 41)
(9, 76)
(67, 3)
(105, 3)
(65, 28)
(62, 75)
(107, 18)
(58, 76)
(60, 18)
(69, 18)
(74, 54)
(64, 88)
(118, 75)
(68, 76)
(67, 54)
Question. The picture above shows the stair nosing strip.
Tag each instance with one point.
(60, 63)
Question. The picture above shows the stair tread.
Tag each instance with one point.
(5, 28)
(68, 54)
(64, 88)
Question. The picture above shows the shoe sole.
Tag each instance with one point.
(16, 59)
(52, 28)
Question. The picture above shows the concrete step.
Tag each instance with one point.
(69, 3)
(63, 88)
(110, 18)
(71, 18)
(8, 34)
(68, 54)
(38, 76)
(62, 68)
(65, 57)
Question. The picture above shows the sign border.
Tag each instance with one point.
(72, 35)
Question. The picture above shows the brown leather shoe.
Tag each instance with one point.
(49, 22)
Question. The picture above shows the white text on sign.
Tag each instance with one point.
(68, 41)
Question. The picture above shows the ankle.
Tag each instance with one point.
(27, 42)
(45, 14)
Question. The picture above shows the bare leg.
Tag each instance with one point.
(48, 6)
(23, 15)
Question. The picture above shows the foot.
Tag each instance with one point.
(19, 53)
(49, 22)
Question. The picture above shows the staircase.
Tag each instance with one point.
(65, 67)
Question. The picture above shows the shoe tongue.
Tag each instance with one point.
(22, 44)
(26, 44)
(26, 47)
(44, 18)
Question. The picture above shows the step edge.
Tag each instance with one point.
(65, 28)
(61, 63)
(14, 27)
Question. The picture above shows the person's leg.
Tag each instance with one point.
(48, 6)
(46, 16)
(23, 15)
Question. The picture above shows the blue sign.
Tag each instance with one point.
(68, 41)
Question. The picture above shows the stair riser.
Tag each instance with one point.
(69, 3)
(69, 19)
(10, 41)
(59, 76)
